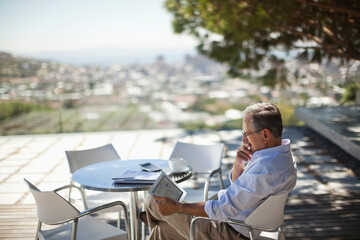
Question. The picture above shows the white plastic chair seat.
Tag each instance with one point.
(89, 228)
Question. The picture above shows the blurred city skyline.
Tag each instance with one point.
(86, 32)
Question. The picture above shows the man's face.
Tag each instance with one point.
(254, 141)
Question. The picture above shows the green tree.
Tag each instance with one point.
(350, 92)
(242, 33)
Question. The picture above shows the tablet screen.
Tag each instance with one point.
(165, 187)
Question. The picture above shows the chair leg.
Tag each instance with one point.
(69, 197)
(251, 233)
(74, 229)
(143, 225)
(38, 230)
(83, 194)
(192, 229)
(119, 219)
(281, 235)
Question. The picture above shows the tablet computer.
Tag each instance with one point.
(164, 186)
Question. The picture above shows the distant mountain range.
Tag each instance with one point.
(107, 56)
(15, 66)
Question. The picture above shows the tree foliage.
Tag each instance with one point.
(350, 93)
(244, 32)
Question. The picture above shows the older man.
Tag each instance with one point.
(270, 170)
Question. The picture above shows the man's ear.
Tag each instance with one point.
(267, 134)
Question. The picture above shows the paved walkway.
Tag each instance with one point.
(41, 159)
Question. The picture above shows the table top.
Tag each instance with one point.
(99, 176)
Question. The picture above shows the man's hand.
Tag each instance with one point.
(243, 155)
(166, 206)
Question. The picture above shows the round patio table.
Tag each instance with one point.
(99, 177)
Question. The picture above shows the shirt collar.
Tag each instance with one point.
(284, 147)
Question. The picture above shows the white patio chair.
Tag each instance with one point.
(52, 209)
(81, 158)
(203, 159)
(266, 219)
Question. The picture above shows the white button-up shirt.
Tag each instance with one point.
(270, 171)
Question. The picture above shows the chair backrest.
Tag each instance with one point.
(51, 207)
(270, 213)
(81, 158)
(201, 158)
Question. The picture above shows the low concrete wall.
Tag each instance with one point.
(329, 133)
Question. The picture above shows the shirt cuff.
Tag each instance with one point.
(230, 176)
(208, 208)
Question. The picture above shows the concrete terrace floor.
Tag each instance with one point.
(325, 187)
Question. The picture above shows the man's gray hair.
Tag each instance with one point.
(265, 115)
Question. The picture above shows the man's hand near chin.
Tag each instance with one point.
(243, 155)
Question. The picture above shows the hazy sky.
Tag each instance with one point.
(32, 26)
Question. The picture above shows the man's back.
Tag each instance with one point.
(270, 171)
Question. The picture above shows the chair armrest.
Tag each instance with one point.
(66, 187)
(238, 222)
(78, 188)
(207, 183)
(104, 206)
(242, 223)
(212, 173)
(192, 225)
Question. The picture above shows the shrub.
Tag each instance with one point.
(11, 109)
